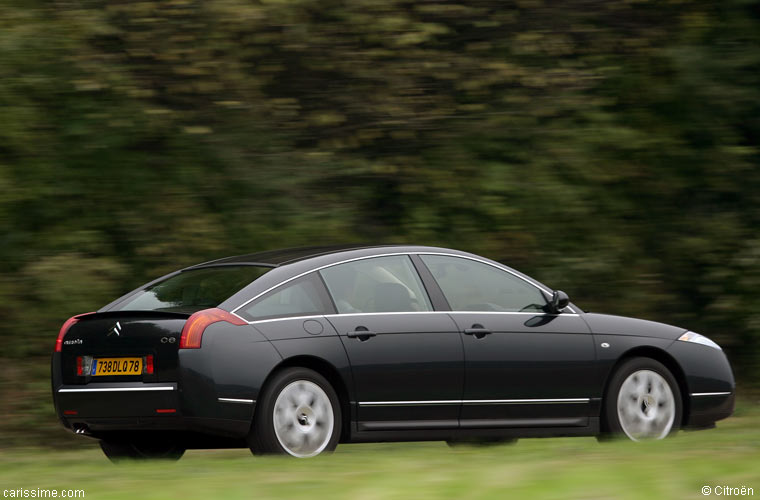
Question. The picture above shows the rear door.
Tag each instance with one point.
(406, 360)
(523, 367)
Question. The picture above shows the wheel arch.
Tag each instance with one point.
(658, 355)
(327, 370)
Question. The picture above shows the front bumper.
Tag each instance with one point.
(708, 408)
(709, 380)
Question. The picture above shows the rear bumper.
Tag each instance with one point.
(127, 399)
(113, 409)
(100, 410)
(211, 393)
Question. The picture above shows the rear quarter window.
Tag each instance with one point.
(194, 289)
(304, 296)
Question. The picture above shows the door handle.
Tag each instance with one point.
(361, 333)
(478, 331)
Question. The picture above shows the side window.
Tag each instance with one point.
(301, 297)
(379, 284)
(473, 286)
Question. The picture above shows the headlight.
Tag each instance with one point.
(698, 339)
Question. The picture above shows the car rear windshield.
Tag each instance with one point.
(193, 290)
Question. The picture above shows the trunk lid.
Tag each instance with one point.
(125, 336)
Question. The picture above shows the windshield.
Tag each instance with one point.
(193, 290)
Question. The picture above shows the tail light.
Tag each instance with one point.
(65, 328)
(192, 333)
(79, 365)
(149, 364)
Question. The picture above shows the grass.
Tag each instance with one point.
(532, 468)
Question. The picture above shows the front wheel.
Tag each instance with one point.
(643, 401)
(298, 414)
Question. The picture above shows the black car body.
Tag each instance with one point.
(412, 345)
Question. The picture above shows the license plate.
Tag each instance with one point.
(116, 366)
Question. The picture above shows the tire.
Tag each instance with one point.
(117, 451)
(643, 402)
(480, 442)
(298, 414)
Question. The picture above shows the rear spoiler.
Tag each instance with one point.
(136, 313)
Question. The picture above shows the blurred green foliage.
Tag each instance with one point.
(608, 148)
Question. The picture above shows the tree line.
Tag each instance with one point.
(608, 148)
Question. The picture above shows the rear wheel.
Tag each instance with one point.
(142, 450)
(298, 414)
(643, 401)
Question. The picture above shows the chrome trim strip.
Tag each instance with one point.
(439, 312)
(500, 267)
(536, 313)
(242, 318)
(396, 312)
(474, 402)
(234, 400)
(311, 316)
(710, 393)
(410, 403)
(119, 389)
(525, 401)
(383, 313)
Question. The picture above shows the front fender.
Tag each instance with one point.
(619, 347)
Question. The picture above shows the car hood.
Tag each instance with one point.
(620, 325)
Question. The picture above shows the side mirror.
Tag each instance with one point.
(558, 302)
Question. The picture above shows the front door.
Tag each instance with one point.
(524, 367)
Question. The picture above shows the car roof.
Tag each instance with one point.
(290, 263)
(277, 258)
